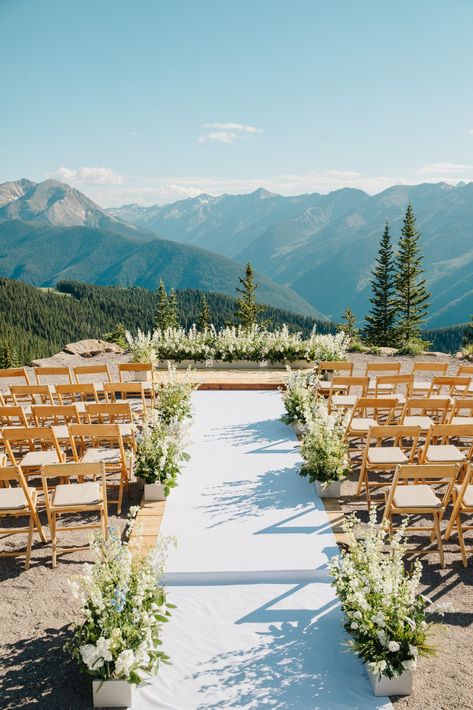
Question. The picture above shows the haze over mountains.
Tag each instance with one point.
(323, 246)
(50, 231)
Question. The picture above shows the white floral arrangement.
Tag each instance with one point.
(173, 397)
(299, 396)
(142, 347)
(122, 607)
(323, 446)
(237, 343)
(385, 614)
(160, 451)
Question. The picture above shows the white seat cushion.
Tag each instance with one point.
(61, 431)
(386, 455)
(76, 494)
(437, 453)
(468, 421)
(93, 455)
(14, 498)
(39, 458)
(397, 395)
(416, 496)
(324, 384)
(362, 423)
(125, 429)
(423, 385)
(468, 497)
(382, 387)
(344, 400)
(424, 422)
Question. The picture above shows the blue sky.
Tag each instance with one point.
(151, 101)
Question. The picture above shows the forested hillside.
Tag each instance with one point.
(38, 323)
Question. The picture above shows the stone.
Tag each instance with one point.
(90, 348)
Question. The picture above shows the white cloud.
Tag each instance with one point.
(226, 132)
(88, 176)
(445, 169)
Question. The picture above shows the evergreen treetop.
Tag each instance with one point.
(247, 309)
(380, 321)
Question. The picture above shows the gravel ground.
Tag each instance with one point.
(36, 610)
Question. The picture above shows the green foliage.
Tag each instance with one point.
(7, 356)
(248, 311)
(349, 325)
(380, 321)
(468, 334)
(160, 452)
(413, 347)
(117, 336)
(166, 313)
(203, 322)
(412, 296)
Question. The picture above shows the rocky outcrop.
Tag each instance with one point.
(91, 348)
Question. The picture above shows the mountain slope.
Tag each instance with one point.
(10, 191)
(43, 254)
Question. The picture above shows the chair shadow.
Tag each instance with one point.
(37, 673)
(270, 432)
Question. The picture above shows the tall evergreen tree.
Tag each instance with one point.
(161, 308)
(203, 323)
(468, 334)
(349, 326)
(7, 357)
(172, 310)
(412, 297)
(247, 309)
(380, 321)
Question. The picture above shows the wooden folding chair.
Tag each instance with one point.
(15, 373)
(77, 394)
(103, 443)
(15, 502)
(368, 412)
(114, 413)
(28, 395)
(329, 368)
(132, 391)
(425, 412)
(58, 417)
(441, 386)
(51, 375)
(11, 416)
(344, 391)
(399, 387)
(419, 498)
(421, 387)
(376, 369)
(41, 444)
(136, 371)
(98, 374)
(394, 444)
(461, 412)
(438, 447)
(462, 505)
(84, 496)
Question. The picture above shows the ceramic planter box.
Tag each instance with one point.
(331, 490)
(154, 491)
(112, 693)
(384, 686)
(293, 364)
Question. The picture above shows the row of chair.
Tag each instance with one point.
(78, 394)
(79, 373)
(373, 369)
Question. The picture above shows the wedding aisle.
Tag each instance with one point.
(257, 623)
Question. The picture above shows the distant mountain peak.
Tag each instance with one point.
(262, 193)
(12, 190)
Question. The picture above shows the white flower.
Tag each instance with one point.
(103, 648)
(393, 646)
(124, 663)
(353, 625)
(409, 665)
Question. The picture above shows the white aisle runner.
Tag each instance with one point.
(257, 623)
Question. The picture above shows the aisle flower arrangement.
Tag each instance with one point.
(384, 613)
(160, 451)
(122, 608)
(173, 397)
(299, 397)
(236, 343)
(323, 448)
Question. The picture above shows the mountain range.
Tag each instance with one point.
(323, 246)
(50, 231)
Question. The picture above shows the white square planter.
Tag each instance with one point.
(331, 490)
(154, 491)
(400, 685)
(112, 693)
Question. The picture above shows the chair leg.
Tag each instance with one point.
(461, 540)
(39, 527)
(29, 543)
(120, 496)
(361, 479)
(54, 539)
(438, 534)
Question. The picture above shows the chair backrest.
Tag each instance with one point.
(132, 367)
(459, 406)
(391, 367)
(453, 385)
(73, 469)
(124, 390)
(374, 407)
(11, 416)
(432, 473)
(465, 370)
(404, 437)
(42, 373)
(44, 414)
(439, 367)
(109, 412)
(14, 473)
(83, 373)
(15, 373)
(93, 435)
(445, 432)
(348, 383)
(68, 394)
(397, 383)
(336, 366)
(32, 394)
(34, 437)
(426, 406)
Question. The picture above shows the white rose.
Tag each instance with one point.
(409, 665)
(393, 646)
(124, 663)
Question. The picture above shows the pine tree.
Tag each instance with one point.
(380, 321)
(172, 310)
(349, 326)
(204, 315)
(247, 309)
(7, 357)
(468, 334)
(412, 296)
(161, 308)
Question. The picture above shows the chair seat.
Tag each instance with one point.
(35, 459)
(424, 422)
(14, 498)
(468, 421)
(423, 385)
(73, 494)
(437, 453)
(386, 455)
(108, 456)
(382, 387)
(416, 496)
(344, 400)
(468, 496)
(362, 423)
(61, 431)
(125, 428)
(397, 395)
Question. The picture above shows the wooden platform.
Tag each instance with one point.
(236, 379)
